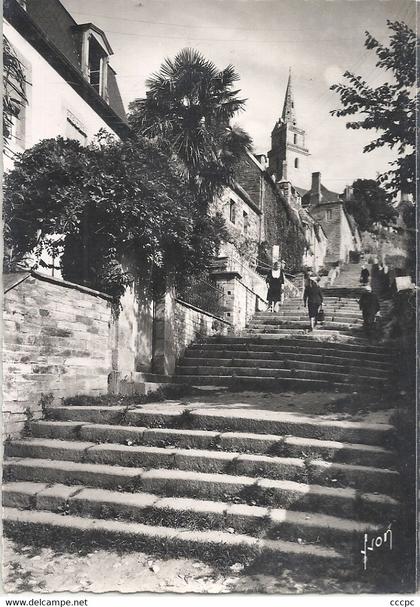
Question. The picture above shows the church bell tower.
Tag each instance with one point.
(288, 157)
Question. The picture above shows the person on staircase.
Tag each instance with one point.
(369, 305)
(375, 273)
(364, 275)
(312, 296)
(385, 281)
(275, 282)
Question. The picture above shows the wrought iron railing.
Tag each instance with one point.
(203, 294)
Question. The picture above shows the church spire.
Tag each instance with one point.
(288, 114)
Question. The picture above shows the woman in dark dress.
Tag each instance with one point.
(312, 295)
(364, 275)
(275, 282)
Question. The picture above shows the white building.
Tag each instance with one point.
(71, 88)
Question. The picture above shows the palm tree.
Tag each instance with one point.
(189, 104)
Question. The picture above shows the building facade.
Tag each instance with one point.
(328, 209)
(71, 89)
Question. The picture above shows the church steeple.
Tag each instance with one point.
(288, 114)
(287, 159)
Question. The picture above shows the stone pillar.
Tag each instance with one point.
(164, 352)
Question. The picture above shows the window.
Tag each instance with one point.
(75, 129)
(296, 163)
(246, 222)
(16, 81)
(329, 215)
(295, 139)
(94, 57)
(232, 211)
(97, 63)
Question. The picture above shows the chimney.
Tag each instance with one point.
(315, 197)
(348, 192)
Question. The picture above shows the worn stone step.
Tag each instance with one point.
(225, 419)
(243, 382)
(153, 509)
(285, 354)
(284, 363)
(291, 495)
(282, 318)
(300, 324)
(319, 332)
(205, 545)
(278, 373)
(268, 444)
(235, 463)
(259, 346)
(299, 342)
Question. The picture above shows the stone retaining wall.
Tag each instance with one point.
(62, 339)
(57, 340)
(191, 323)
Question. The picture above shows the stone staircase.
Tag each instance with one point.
(276, 351)
(285, 362)
(218, 484)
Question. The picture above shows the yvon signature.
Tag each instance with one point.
(375, 542)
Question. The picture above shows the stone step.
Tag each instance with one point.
(280, 373)
(232, 420)
(242, 382)
(211, 461)
(267, 444)
(319, 333)
(279, 318)
(205, 545)
(298, 341)
(259, 346)
(286, 323)
(286, 354)
(284, 363)
(152, 509)
(291, 495)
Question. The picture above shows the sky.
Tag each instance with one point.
(318, 39)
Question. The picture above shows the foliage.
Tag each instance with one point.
(189, 104)
(14, 90)
(115, 205)
(370, 204)
(390, 108)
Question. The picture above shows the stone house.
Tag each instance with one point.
(328, 209)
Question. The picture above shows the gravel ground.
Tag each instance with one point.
(43, 570)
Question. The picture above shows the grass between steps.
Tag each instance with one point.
(171, 391)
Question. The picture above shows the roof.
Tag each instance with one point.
(50, 28)
(300, 191)
(327, 197)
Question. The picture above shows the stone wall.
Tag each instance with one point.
(62, 339)
(191, 323)
(279, 227)
(57, 340)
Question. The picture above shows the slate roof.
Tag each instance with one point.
(62, 36)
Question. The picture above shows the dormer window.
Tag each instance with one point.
(97, 60)
(95, 55)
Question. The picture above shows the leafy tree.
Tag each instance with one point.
(389, 108)
(115, 205)
(370, 204)
(14, 90)
(189, 104)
